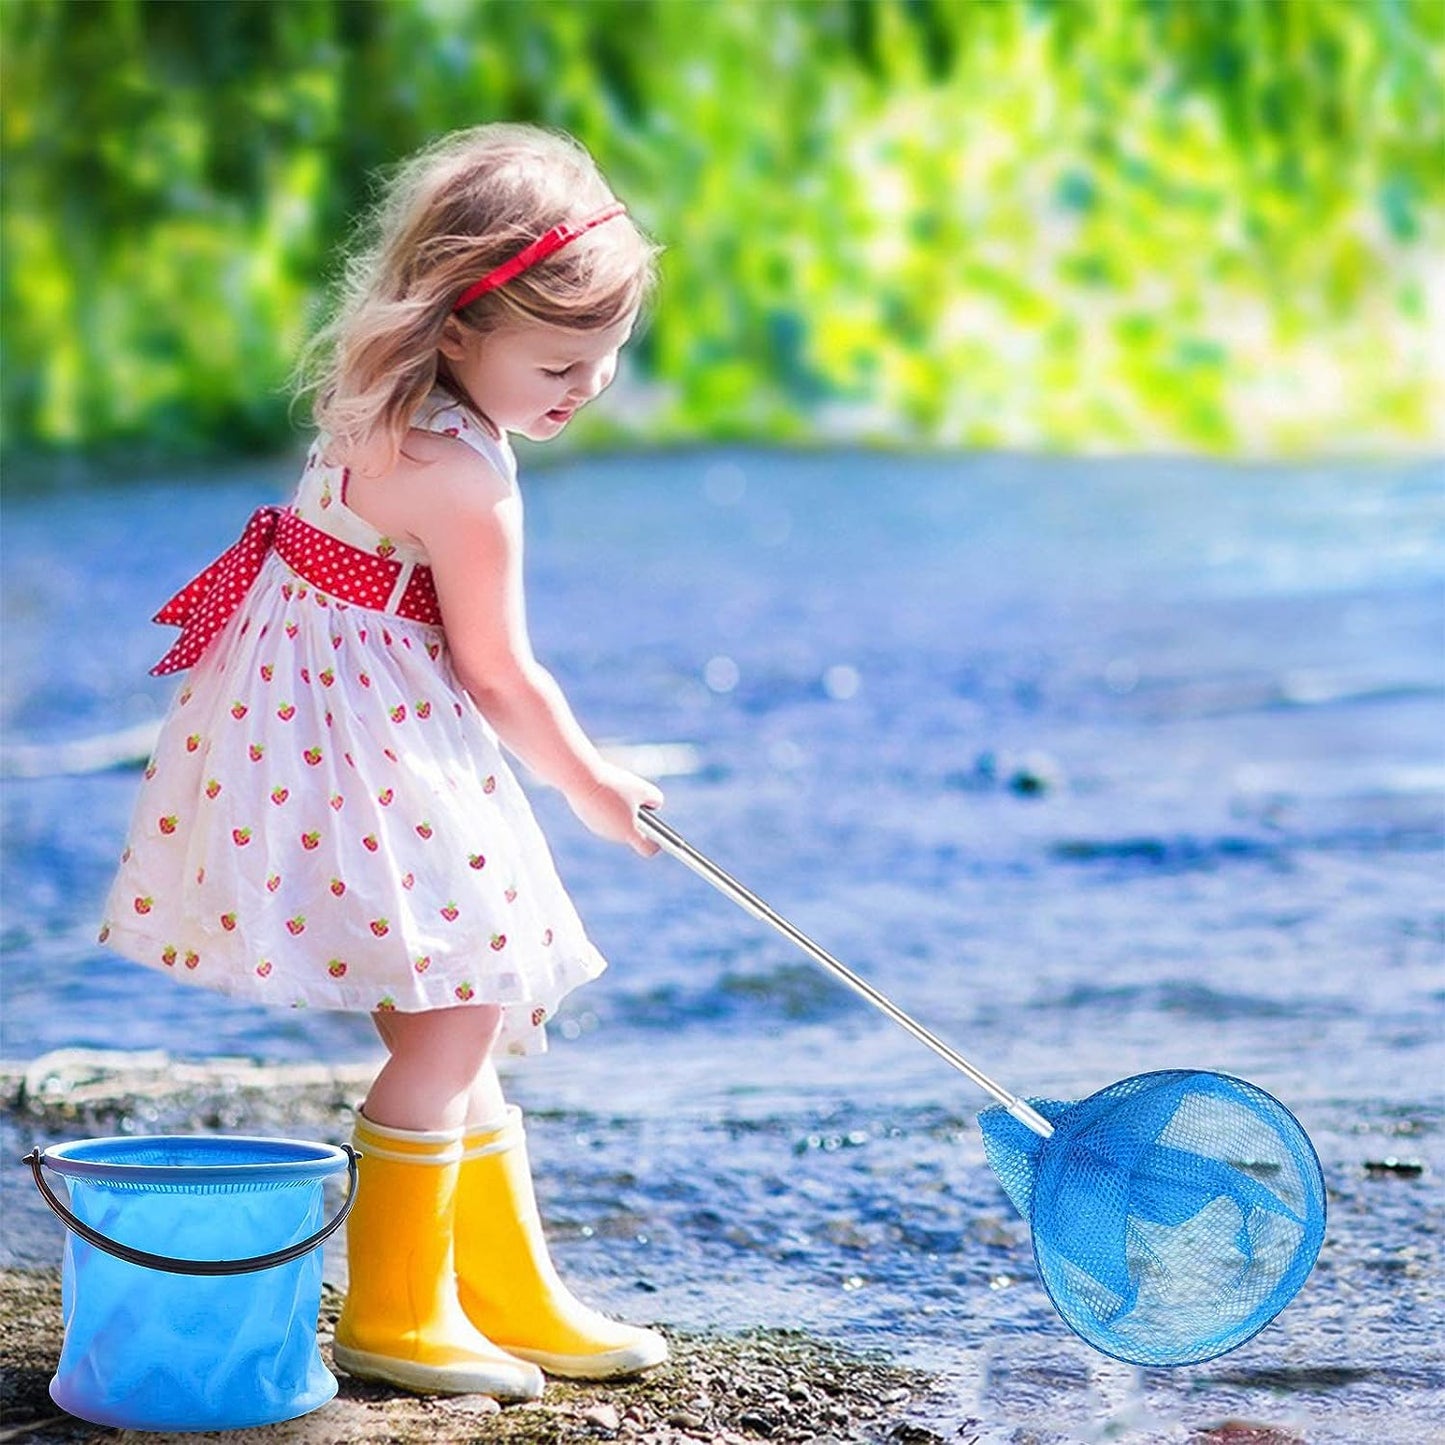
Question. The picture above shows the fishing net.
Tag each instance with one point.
(1174, 1214)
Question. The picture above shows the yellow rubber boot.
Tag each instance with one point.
(506, 1280)
(402, 1321)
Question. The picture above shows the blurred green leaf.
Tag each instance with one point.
(1060, 223)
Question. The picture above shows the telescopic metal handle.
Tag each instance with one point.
(671, 842)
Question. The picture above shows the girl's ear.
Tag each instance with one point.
(453, 343)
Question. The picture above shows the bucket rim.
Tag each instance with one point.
(294, 1160)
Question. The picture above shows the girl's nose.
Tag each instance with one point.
(596, 379)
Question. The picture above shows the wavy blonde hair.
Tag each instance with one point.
(446, 217)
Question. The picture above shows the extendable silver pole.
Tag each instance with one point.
(705, 868)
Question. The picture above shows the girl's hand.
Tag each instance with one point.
(609, 807)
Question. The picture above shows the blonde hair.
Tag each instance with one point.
(446, 217)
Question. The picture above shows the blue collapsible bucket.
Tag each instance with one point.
(191, 1281)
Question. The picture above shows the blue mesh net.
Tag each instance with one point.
(1174, 1214)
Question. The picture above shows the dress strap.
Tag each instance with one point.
(444, 414)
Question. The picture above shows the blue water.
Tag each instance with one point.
(1096, 767)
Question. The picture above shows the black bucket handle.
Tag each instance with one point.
(195, 1266)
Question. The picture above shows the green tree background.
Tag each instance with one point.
(1073, 224)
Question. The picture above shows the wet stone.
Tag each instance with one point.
(1399, 1168)
(907, 1434)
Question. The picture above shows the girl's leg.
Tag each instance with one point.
(382, 1024)
(505, 1276)
(507, 1283)
(435, 1059)
(402, 1321)
(486, 1105)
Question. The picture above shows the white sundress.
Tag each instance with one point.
(327, 820)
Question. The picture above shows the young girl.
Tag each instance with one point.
(328, 821)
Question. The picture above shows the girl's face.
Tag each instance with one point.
(530, 378)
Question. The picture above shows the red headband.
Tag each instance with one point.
(539, 250)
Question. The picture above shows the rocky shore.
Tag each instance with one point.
(719, 1390)
(104, 1091)
(716, 1389)
(775, 1386)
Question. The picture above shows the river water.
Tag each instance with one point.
(1096, 767)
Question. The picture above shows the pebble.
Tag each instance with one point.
(602, 1417)
(757, 1422)
(472, 1405)
(906, 1434)
(686, 1420)
(1245, 1432)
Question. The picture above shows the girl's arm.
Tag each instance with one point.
(470, 523)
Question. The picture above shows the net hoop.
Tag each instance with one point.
(1312, 1221)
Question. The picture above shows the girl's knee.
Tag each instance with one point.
(452, 1043)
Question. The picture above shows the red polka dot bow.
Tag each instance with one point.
(205, 604)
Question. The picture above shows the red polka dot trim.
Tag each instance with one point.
(206, 603)
(419, 600)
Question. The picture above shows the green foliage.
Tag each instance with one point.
(1072, 223)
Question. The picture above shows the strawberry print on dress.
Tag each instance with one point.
(328, 820)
